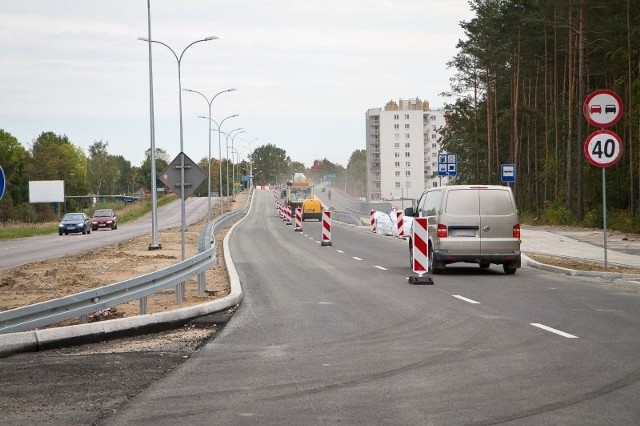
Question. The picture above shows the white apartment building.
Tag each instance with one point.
(402, 149)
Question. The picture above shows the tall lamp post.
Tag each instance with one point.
(239, 130)
(233, 177)
(220, 150)
(250, 160)
(209, 171)
(179, 60)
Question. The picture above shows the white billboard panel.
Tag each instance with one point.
(46, 191)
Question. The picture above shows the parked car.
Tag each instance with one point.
(470, 223)
(104, 218)
(74, 223)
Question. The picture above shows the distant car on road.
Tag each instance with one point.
(74, 223)
(104, 218)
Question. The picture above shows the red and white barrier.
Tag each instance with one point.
(287, 213)
(372, 215)
(420, 251)
(400, 223)
(326, 228)
(298, 222)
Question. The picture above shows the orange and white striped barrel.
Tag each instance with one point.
(287, 214)
(420, 249)
(326, 228)
(400, 223)
(298, 223)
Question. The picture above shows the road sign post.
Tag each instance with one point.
(2, 183)
(603, 148)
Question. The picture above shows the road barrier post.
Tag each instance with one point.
(400, 223)
(298, 224)
(326, 228)
(372, 215)
(420, 252)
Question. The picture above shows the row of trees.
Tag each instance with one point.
(521, 77)
(54, 157)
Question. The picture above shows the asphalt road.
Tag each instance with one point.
(25, 250)
(336, 335)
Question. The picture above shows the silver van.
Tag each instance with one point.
(470, 223)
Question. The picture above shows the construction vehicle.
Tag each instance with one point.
(300, 194)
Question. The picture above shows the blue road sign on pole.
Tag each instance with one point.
(508, 173)
(2, 183)
(447, 164)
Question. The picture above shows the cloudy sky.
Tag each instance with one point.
(306, 71)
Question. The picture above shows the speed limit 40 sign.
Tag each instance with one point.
(603, 148)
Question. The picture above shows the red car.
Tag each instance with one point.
(104, 218)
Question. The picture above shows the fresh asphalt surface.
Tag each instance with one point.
(25, 250)
(337, 335)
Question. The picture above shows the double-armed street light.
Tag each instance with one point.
(209, 102)
(179, 61)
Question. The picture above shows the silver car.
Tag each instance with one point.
(470, 223)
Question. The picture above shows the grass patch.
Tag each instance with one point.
(126, 213)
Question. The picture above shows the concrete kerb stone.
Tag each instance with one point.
(30, 341)
(526, 260)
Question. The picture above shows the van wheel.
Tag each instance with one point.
(484, 265)
(509, 268)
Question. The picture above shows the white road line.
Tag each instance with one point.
(339, 251)
(380, 267)
(553, 330)
(457, 296)
(356, 258)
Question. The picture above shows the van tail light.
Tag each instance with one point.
(442, 231)
(516, 230)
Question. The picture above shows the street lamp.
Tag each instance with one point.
(179, 60)
(209, 171)
(250, 161)
(240, 130)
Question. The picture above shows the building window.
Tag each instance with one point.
(406, 125)
(433, 117)
(396, 126)
(408, 184)
(397, 154)
(433, 128)
(397, 184)
(397, 144)
(434, 146)
(398, 173)
(407, 154)
(407, 144)
(396, 136)
(407, 173)
(407, 136)
(407, 164)
(396, 116)
(433, 136)
(397, 164)
(406, 116)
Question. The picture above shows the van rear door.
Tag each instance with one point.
(498, 215)
(462, 218)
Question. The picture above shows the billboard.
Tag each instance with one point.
(46, 191)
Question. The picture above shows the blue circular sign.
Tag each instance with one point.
(2, 182)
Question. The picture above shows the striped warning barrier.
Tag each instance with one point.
(287, 214)
(400, 223)
(298, 223)
(420, 251)
(326, 228)
(372, 215)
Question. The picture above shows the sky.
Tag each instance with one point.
(305, 72)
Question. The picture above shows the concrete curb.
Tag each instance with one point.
(30, 341)
(527, 261)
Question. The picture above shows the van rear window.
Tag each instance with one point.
(496, 202)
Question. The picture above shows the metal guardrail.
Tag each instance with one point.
(90, 301)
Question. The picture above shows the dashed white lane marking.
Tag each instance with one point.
(356, 258)
(380, 267)
(457, 296)
(339, 251)
(553, 330)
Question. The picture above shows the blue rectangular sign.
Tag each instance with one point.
(508, 173)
